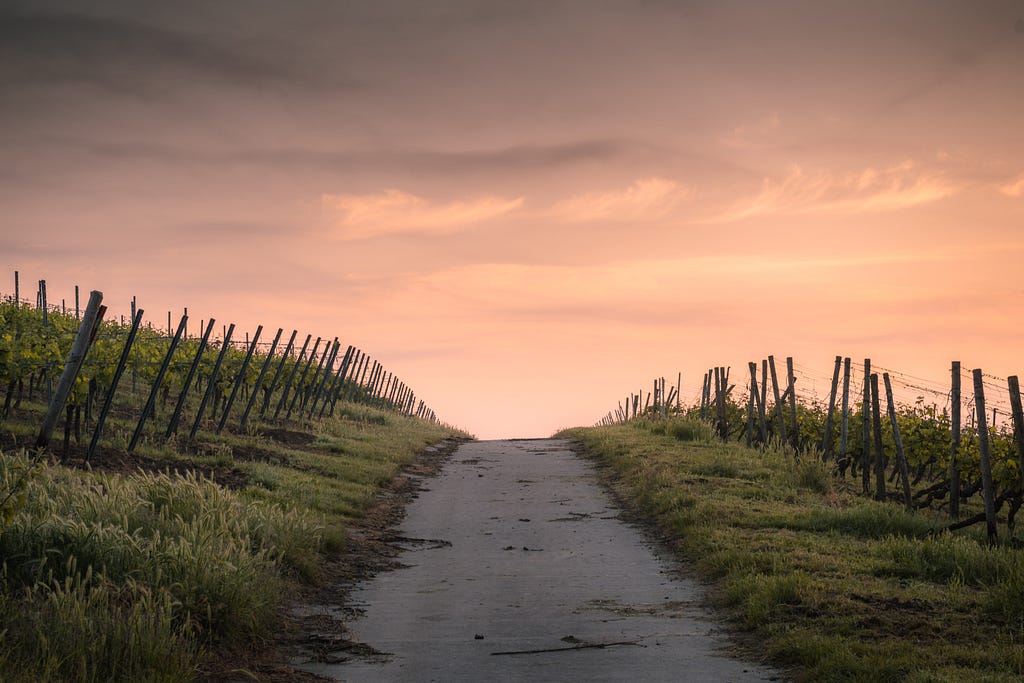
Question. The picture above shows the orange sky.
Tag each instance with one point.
(529, 209)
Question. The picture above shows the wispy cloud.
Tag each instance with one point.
(897, 187)
(645, 199)
(1014, 187)
(394, 211)
(752, 135)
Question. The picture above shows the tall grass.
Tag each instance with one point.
(128, 578)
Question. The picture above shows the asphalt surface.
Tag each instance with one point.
(520, 569)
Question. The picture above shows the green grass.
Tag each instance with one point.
(832, 586)
(145, 576)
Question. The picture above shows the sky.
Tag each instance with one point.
(528, 210)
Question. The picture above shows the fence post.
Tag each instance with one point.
(79, 348)
(211, 383)
(826, 439)
(239, 378)
(277, 374)
(259, 380)
(876, 424)
(172, 426)
(844, 430)
(954, 443)
(988, 489)
(791, 379)
(156, 384)
(901, 459)
(865, 415)
(1018, 424)
(121, 363)
(302, 378)
(778, 400)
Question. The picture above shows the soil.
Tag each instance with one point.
(107, 459)
(311, 625)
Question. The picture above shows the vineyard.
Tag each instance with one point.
(163, 495)
(917, 453)
(173, 384)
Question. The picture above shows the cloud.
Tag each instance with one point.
(1014, 187)
(870, 190)
(751, 136)
(123, 55)
(645, 199)
(393, 212)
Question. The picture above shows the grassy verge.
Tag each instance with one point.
(825, 583)
(145, 574)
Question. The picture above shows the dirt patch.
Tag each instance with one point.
(121, 462)
(257, 454)
(312, 627)
(289, 437)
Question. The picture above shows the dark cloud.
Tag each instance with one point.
(517, 158)
(124, 55)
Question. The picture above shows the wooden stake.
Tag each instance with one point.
(844, 431)
(876, 424)
(72, 366)
(988, 488)
(791, 379)
(259, 380)
(109, 401)
(901, 459)
(778, 400)
(151, 401)
(172, 426)
(954, 443)
(211, 383)
(826, 440)
(865, 414)
(1018, 424)
(240, 378)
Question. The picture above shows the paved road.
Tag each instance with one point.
(518, 567)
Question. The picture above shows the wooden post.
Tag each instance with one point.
(721, 394)
(119, 370)
(355, 381)
(240, 378)
(277, 374)
(901, 459)
(259, 380)
(338, 385)
(79, 348)
(1018, 424)
(954, 443)
(324, 376)
(826, 439)
(212, 382)
(865, 414)
(17, 290)
(876, 424)
(791, 379)
(844, 431)
(172, 426)
(679, 388)
(778, 400)
(987, 486)
(291, 376)
(302, 378)
(151, 401)
(78, 315)
(759, 404)
(750, 414)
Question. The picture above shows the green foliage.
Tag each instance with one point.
(148, 569)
